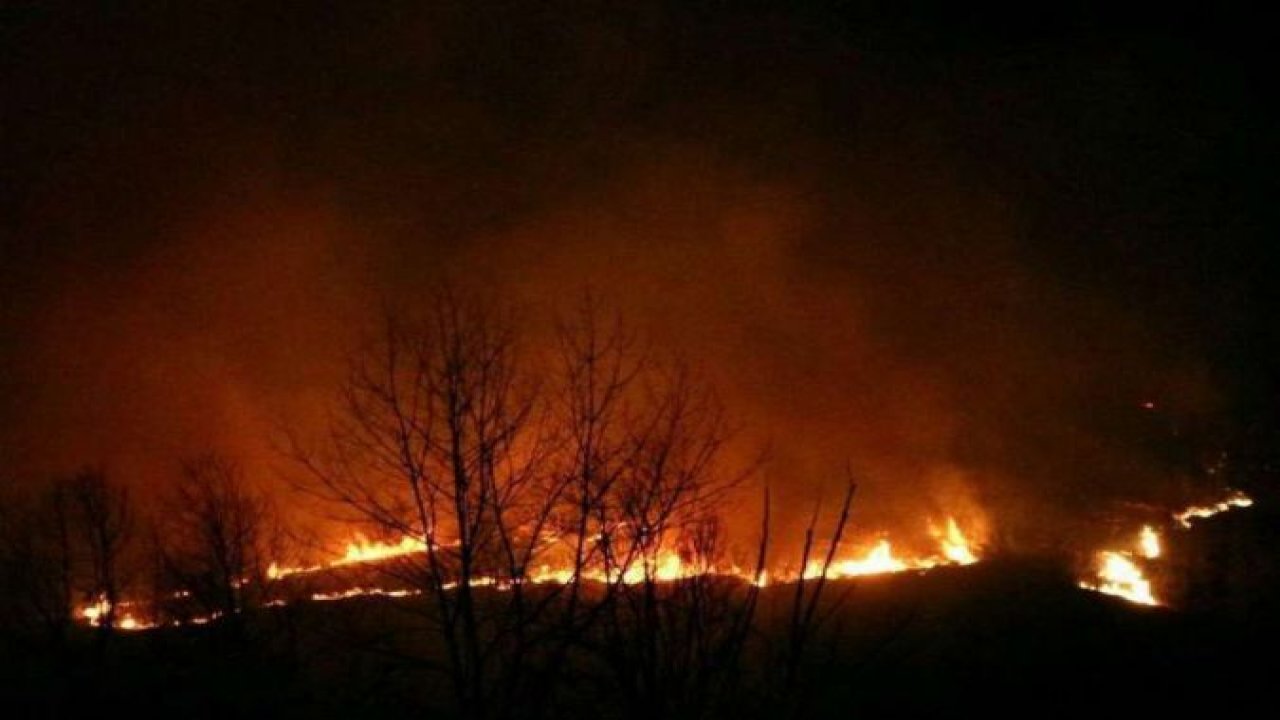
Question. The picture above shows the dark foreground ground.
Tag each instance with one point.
(1010, 635)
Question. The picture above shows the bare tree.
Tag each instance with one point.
(664, 635)
(36, 562)
(611, 468)
(803, 615)
(216, 536)
(438, 439)
(102, 528)
(596, 369)
(641, 472)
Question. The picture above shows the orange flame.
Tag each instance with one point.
(955, 546)
(94, 613)
(1118, 575)
(1149, 543)
(665, 565)
(1236, 499)
(1116, 572)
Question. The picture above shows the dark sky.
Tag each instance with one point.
(959, 247)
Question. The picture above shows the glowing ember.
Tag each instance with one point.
(361, 592)
(1236, 499)
(1118, 575)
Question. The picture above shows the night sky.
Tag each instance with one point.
(957, 247)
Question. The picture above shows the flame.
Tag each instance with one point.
(358, 550)
(362, 551)
(955, 546)
(94, 612)
(663, 565)
(1117, 573)
(1120, 576)
(1236, 499)
(1149, 543)
(879, 559)
(547, 574)
(955, 549)
(361, 592)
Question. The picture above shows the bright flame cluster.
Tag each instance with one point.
(359, 550)
(954, 548)
(1119, 573)
(93, 614)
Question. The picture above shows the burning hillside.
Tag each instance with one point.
(516, 361)
(385, 569)
(1121, 572)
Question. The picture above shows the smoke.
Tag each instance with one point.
(842, 230)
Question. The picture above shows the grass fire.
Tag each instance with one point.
(648, 360)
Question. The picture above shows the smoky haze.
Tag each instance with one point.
(958, 256)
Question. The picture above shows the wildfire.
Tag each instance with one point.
(1117, 572)
(362, 551)
(94, 613)
(667, 565)
(879, 560)
(955, 546)
(1236, 499)
(360, 592)
(1118, 575)
(358, 550)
